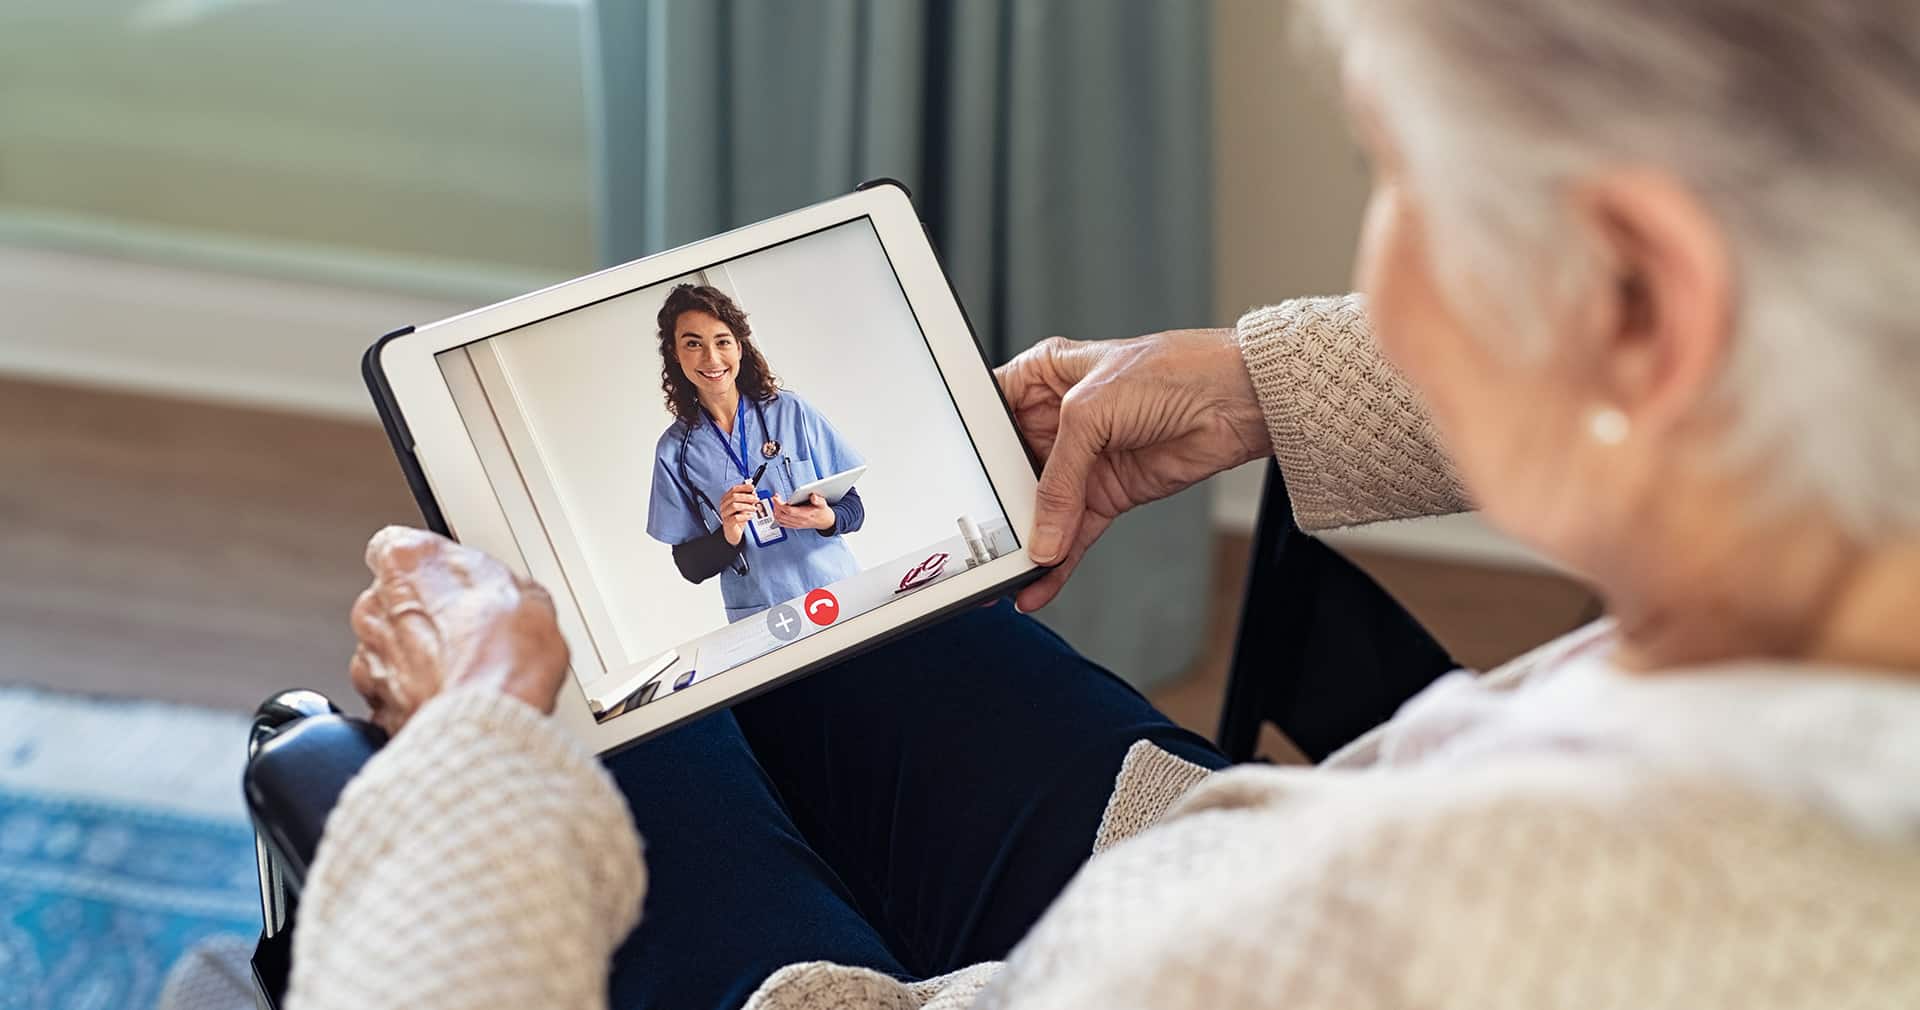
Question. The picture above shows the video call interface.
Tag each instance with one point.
(727, 462)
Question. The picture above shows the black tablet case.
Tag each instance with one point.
(396, 425)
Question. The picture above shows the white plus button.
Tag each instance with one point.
(784, 622)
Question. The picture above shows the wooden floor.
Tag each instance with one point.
(182, 551)
(208, 554)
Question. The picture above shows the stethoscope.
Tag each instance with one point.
(696, 497)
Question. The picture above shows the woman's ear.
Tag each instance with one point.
(1667, 318)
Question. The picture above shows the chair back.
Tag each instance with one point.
(1322, 651)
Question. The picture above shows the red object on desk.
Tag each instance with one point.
(923, 573)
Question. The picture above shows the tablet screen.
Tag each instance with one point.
(647, 444)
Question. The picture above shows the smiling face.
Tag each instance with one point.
(708, 352)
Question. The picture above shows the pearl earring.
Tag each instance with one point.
(1608, 425)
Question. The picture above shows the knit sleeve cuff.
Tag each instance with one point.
(484, 821)
(1151, 780)
(1353, 442)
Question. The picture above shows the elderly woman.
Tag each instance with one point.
(1644, 266)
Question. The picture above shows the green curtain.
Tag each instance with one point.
(1058, 150)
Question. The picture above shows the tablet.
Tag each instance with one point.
(831, 488)
(590, 434)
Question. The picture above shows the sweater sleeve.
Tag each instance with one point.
(1353, 442)
(481, 859)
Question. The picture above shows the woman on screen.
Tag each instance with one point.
(739, 445)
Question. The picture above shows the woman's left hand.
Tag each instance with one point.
(439, 615)
(814, 514)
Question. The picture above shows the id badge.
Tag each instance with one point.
(766, 530)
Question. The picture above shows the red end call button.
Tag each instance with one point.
(821, 607)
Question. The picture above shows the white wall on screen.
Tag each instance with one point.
(534, 552)
(829, 316)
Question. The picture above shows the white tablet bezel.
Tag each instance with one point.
(450, 461)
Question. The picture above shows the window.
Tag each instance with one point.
(437, 146)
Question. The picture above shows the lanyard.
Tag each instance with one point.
(740, 431)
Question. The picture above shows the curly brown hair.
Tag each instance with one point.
(755, 380)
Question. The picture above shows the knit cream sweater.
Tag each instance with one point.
(1553, 834)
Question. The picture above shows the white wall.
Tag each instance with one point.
(109, 322)
(1288, 187)
(830, 318)
(348, 127)
(194, 202)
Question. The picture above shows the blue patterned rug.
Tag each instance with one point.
(123, 842)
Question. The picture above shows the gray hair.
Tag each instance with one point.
(1796, 122)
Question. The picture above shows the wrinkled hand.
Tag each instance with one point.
(738, 507)
(439, 615)
(1120, 423)
(813, 514)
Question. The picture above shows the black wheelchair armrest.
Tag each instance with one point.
(295, 778)
(301, 754)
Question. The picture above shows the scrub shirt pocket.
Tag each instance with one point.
(803, 472)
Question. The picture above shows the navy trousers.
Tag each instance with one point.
(912, 810)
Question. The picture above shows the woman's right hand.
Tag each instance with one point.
(738, 507)
(1120, 423)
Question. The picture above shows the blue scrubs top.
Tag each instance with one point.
(810, 449)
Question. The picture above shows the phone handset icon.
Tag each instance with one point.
(821, 607)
